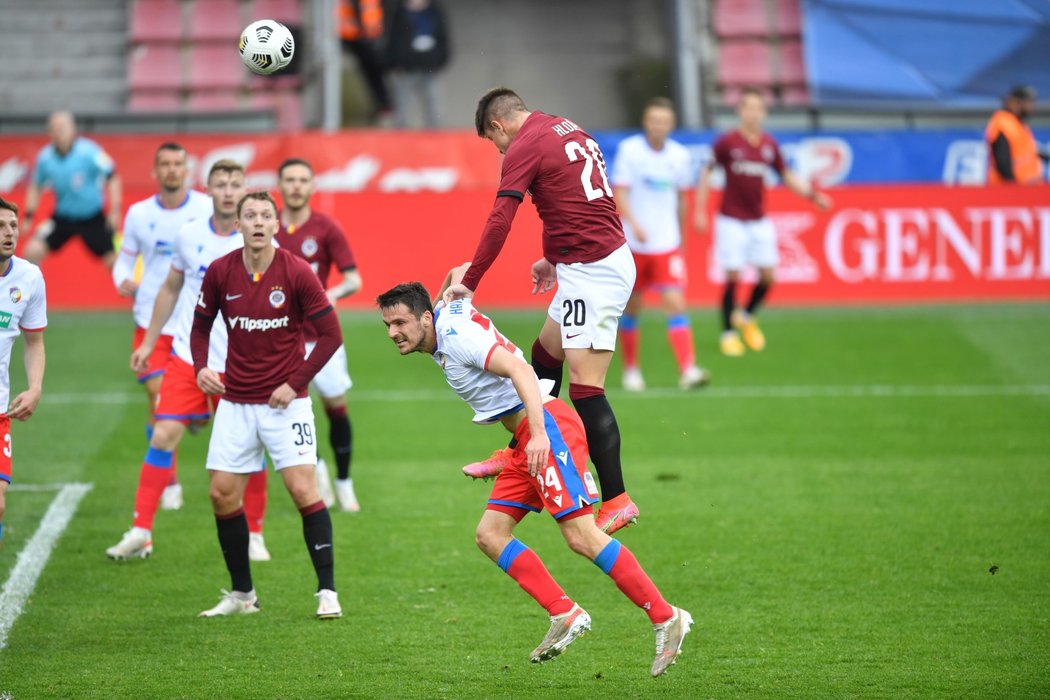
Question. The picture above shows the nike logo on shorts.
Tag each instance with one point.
(573, 335)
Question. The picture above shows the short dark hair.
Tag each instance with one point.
(659, 102)
(753, 91)
(167, 146)
(10, 206)
(497, 103)
(293, 161)
(256, 196)
(412, 294)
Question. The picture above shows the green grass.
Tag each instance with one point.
(829, 545)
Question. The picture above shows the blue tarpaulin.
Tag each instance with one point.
(962, 53)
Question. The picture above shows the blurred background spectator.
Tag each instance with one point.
(417, 51)
(1013, 156)
(361, 33)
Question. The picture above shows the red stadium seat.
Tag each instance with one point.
(215, 20)
(792, 69)
(787, 17)
(744, 63)
(285, 11)
(153, 67)
(156, 21)
(154, 102)
(224, 101)
(797, 96)
(216, 67)
(734, 19)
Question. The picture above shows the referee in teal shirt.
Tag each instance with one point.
(75, 169)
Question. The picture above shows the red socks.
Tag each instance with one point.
(522, 564)
(155, 475)
(255, 500)
(680, 336)
(628, 575)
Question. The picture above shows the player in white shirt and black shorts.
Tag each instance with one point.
(650, 177)
(150, 227)
(23, 307)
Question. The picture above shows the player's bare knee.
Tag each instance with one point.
(487, 540)
(166, 434)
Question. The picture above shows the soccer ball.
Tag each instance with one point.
(266, 46)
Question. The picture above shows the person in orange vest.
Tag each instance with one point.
(360, 24)
(1013, 154)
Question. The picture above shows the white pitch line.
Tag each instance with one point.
(36, 487)
(804, 391)
(33, 557)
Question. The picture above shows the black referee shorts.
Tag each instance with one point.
(95, 231)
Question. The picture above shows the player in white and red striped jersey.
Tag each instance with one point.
(265, 296)
(23, 307)
(150, 227)
(584, 250)
(180, 403)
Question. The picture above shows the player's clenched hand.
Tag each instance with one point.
(544, 276)
(282, 396)
(640, 234)
(537, 451)
(456, 291)
(140, 358)
(127, 288)
(209, 382)
(24, 404)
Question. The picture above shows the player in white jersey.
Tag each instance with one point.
(23, 307)
(149, 232)
(650, 177)
(547, 469)
(180, 403)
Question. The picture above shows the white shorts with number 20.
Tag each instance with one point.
(241, 431)
(739, 243)
(591, 298)
(333, 379)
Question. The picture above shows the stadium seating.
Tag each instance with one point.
(760, 46)
(156, 21)
(182, 55)
(215, 20)
(155, 68)
(736, 19)
(286, 11)
(745, 62)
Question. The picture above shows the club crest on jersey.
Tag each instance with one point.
(16, 295)
(310, 247)
(277, 297)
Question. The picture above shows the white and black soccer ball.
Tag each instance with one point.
(266, 46)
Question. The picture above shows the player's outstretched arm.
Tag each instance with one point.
(163, 307)
(123, 271)
(497, 228)
(116, 196)
(453, 277)
(703, 187)
(23, 405)
(505, 364)
(805, 190)
(351, 284)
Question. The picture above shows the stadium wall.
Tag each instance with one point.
(414, 204)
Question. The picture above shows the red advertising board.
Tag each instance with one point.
(422, 207)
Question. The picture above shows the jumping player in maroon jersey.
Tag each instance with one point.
(743, 234)
(266, 296)
(319, 240)
(584, 251)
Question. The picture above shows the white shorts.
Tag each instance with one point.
(333, 379)
(591, 298)
(740, 243)
(241, 431)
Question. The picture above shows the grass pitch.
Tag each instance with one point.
(861, 511)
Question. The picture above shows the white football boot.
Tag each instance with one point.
(669, 637)
(693, 378)
(324, 483)
(563, 630)
(171, 497)
(328, 607)
(632, 380)
(344, 493)
(135, 544)
(235, 603)
(257, 550)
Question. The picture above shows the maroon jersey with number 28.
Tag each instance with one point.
(561, 167)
